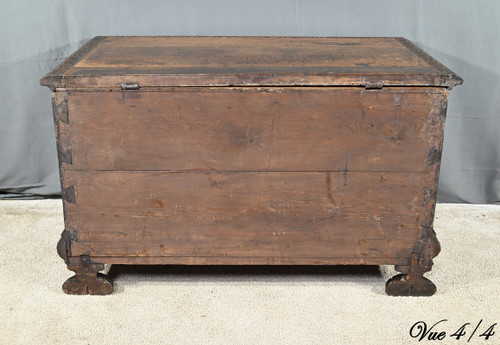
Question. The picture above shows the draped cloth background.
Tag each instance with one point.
(464, 35)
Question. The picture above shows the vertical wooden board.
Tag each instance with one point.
(286, 129)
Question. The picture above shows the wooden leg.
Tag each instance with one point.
(88, 280)
(412, 281)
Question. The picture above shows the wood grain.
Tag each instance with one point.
(247, 260)
(249, 150)
(245, 214)
(200, 54)
(223, 61)
(250, 129)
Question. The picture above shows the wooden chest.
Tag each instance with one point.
(249, 150)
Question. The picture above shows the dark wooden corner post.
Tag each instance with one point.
(412, 281)
(87, 279)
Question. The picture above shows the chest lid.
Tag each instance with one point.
(140, 61)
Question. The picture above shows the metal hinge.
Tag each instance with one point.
(130, 86)
(371, 86)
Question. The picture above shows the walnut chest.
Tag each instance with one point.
(249, 150)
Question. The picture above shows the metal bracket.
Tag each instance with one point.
(64, 244)
(62, 111)
(433, 156)
(68, 194)
(66, 156)
(60, 107)
(130, 86)
(428, 194)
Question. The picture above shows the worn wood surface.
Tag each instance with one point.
(219, 151)
(256, 61)
(248, 260)
(288, 175)
(235, 129)
(246, 214)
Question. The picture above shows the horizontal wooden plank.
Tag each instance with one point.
(266, 129)
(242, 260)
(285, 214)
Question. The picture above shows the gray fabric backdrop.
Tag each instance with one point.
(463, 34)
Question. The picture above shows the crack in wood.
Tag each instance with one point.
(346, 167)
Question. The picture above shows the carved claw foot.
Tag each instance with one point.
(88, 280)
